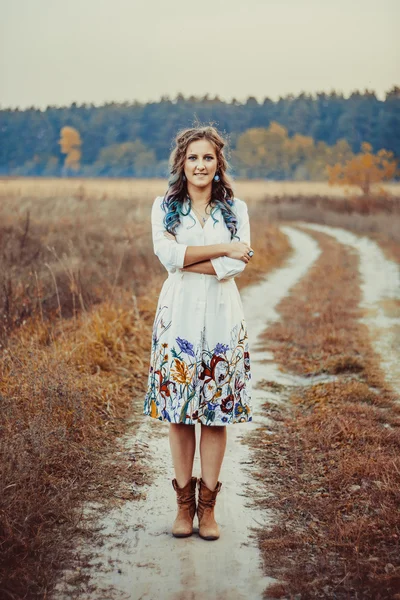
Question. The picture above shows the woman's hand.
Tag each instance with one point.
(239, 250)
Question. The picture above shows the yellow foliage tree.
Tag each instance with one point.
(258, 148)
(70, 142)
(270, 152)
(364, 169)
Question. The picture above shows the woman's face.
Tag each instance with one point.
(200, 163)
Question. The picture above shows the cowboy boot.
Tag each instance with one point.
(186, 498)
(208, 528)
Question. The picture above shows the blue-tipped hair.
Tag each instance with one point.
(222, 196)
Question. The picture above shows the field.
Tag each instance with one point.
(79, 285)
(249, 190)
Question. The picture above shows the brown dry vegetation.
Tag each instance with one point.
(60, 256)
(65, 397)
(376, 216)
(120, 189)
(331, 467)
(79, 285)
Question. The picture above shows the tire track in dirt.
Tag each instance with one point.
(138, 559)
(380, 290)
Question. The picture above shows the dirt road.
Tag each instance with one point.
(380, 290)
(139, 558)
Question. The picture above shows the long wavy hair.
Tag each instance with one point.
(222, 195)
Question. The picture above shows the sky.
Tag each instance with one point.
(97, 51)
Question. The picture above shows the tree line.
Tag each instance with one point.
(291, 138)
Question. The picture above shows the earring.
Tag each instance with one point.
(216, 177)
(183, 178)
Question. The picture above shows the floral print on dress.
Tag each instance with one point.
(191, 383)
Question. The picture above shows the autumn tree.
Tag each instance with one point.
(126, 159)
(70, 143)
(364, 169)
(261, 151)
(270, 152)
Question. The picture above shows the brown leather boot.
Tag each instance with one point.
(186, 498)
(208, 528)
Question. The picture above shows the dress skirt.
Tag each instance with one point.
(200, 364)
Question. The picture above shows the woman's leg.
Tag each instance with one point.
(212, 450)
(182, 441)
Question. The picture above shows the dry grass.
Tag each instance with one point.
(122, 189)
(43, 188)
(66, 393)
(326, 322)
(57, 258)
(331, 468)
(376, 216)
(270, 245)
(80, 285)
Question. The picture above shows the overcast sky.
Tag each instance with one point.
(54, 52)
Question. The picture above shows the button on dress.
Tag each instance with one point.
(199, 364)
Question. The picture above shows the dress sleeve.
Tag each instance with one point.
(170, 253)
(225, 266)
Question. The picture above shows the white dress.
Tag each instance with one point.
(200, 364)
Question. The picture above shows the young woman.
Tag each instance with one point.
(200, 365)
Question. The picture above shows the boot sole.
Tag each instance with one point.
(209, 538)
(182, 535)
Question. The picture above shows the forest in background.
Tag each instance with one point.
(291, 138)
